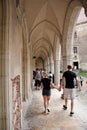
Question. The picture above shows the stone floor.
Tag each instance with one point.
(57, 119)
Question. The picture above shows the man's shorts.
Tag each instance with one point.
(69, 93)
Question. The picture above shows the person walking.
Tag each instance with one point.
(69, 88)
(81, 81)
(50, 75)
(37, 79)
(46, 85)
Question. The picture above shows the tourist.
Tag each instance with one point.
(69, 88)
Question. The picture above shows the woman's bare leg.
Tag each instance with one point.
(48, 101)
(45, 102)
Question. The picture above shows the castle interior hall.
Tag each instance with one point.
(40, 34)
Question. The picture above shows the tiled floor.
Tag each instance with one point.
(57, 119)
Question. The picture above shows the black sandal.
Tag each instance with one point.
(71, 113)
(64, 107)
(48, 110)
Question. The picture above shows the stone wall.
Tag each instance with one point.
(1, 99)
(16, 103)
(82, 42)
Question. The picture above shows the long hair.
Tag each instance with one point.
(45, 75)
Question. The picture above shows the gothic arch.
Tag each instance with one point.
(55, 29)
(44, 39)
(72, 13)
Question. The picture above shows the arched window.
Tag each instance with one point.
(75, 50)
(75, 35)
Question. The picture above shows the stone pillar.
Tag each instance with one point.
(67, 50)
(51, 62)
(57, 72)
(24, 72)
(52, 67)
(67, 60)
(45, 65)
(1, 88)
(57, 56)
(48, 65)
(4, 68)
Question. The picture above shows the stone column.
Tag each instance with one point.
(52, 67)
(57, 56)
(45, 65)
(57, 72)
(67, 60)
(24, 71)
(48, 65)
(4, 68)
(51, 62)
(67, 50)
(1, 88)
(67, 53)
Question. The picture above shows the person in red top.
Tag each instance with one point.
(46, 84)
(86, 85)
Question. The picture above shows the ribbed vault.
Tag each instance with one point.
(43, 26)
(45, 21)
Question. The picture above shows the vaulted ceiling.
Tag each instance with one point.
(45, 21)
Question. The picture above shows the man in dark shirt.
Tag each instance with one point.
(69, 87)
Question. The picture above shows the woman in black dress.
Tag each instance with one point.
(46, 84)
